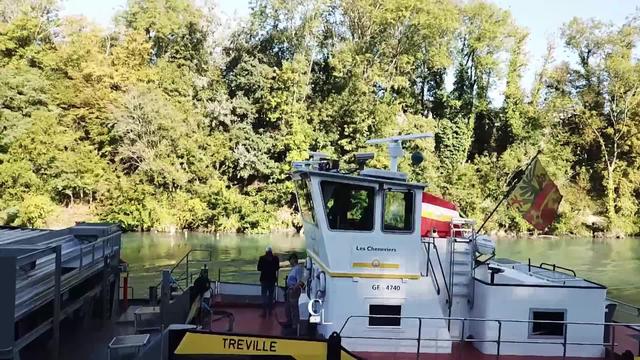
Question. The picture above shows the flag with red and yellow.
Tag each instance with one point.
(536, 196)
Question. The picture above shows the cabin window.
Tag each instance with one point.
(389, 315)
(305, 202)
(551, 325)
(398, 211)
(348, 206)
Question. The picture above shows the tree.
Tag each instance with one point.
(604, 107)
(170, 121)
(149, 130)
(487, 33)
(512, 127)
(174, 28)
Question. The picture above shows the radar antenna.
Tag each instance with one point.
(319, 161)
(394, 145)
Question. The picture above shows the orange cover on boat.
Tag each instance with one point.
(437, 214)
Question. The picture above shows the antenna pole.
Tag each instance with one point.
(394, 145)
(395, 152)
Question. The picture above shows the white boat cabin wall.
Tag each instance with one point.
(363, 237)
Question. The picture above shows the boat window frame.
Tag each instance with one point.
(374, 190)
(386, 189)
(530, 333)
(308, 189)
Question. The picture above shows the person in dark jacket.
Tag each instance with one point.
(268, 265)
(201, 291)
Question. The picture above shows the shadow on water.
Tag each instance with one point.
(612, 262)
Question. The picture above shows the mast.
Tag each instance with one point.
(394, 146)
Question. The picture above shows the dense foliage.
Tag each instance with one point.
(172, 121)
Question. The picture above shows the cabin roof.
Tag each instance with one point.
(368, 179)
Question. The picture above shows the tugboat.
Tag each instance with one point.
(388, 286)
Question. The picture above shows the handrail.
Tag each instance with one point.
(431, 241)
(186, 256)
(426, 245)
(129, 287)
(554, 267)
(223, 276)
(444, 277)
(186, 275)
(499, 339)
(635, 309)
(623, 303)
(282, 270)
(478, 262)
(419, 338)
(434, 277)
(451, 243)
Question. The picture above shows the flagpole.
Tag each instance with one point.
(512, 182)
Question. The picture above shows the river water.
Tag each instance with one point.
(612, 262)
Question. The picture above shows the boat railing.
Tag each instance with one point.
(625, 312)
(428, 243)
(130, 292)
(236, 276)
(555, 268)
(435, 279)
(181, 273)
(498, 340)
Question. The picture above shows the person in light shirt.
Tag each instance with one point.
(295, 284)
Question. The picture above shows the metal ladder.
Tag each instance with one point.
(461, 259)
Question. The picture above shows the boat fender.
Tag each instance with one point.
(308, 264)
(322, 283)
(485, 245)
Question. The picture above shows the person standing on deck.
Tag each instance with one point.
(201, 290)
(295, 283)
(268, 265)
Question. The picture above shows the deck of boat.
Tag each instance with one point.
(248, 321)
(89, 340)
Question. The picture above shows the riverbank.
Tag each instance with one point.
(63, 217)
(534, 235)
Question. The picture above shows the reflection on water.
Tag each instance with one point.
(234, 256)
(612, 262)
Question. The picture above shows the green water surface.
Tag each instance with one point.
(611, 262)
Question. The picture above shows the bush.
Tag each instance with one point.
(33, 211)
(128, 204)
(190, 213)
